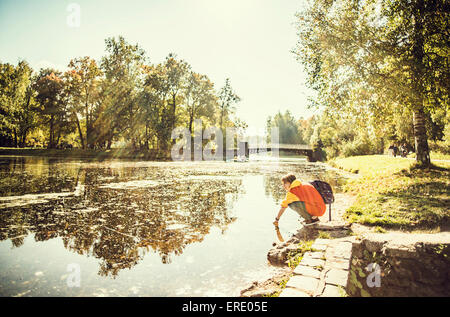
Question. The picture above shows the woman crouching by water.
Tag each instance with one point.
(302, 198)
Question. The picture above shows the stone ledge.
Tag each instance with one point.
(331, 291)
(307, 271)
(313, 262)
(304, 283)
(292, 292)
(318, 247)
(337, 277)
(337, 263)
(314, 255)
(322, 241)
(333, 225)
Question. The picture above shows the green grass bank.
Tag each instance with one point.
(393, 193)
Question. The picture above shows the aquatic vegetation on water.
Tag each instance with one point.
(119, 212)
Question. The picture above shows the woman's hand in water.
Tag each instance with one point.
(277, 218)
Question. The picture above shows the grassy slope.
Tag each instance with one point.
(434, 156)
(392, 193)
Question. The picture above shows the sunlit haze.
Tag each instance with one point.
(248, 41)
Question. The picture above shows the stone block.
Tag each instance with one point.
(345, 247)
(322, 241)
(373, 246)
(338, 253)
(334, 225)
(277, 257)
(402, 252)
(331, 291)
(313, 262)
(319, 247)
(307, 271)
(339, 264)
(314, 255)
(304, 283)
(337, 277)
(292, 292)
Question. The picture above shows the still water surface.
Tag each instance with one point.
(141, 228)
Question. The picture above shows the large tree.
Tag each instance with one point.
(367, 57)
(52, 97)
(83, 83)
(200, 99)
(176, 76)
(122, 67)
(287, 128)
(227, 99)
(16, 102)
(154, 108)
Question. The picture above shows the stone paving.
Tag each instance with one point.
(323, 272)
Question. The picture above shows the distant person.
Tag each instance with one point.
(302, 198)
(404, 150)
(395, 150)
(391, 149)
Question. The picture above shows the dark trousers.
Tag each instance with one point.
(300, 208)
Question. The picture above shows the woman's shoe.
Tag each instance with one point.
(311, 222)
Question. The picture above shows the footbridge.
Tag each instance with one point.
(300, 149)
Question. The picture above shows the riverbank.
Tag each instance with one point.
(81, 154)
(393, 193)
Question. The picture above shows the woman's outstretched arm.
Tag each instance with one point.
(279, 215)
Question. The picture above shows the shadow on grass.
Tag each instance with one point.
(418, 167)
(418, 198)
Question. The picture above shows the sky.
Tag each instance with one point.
(248, 41)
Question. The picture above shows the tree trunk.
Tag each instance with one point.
(222, 110)
(109, 142)
(418, 71)
(420, 138)
(50, 143)
(57, 139)
(88, 126)
(83, 146)
(15, 137)
(146, 136)
(191, 120)
(23, 137)
(174, 109)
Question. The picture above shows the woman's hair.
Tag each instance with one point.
(289, 178)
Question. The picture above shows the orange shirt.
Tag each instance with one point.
(314, 203)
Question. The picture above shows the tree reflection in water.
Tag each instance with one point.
(118, 224)
(120, 211)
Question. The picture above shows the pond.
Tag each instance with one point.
(129, 228)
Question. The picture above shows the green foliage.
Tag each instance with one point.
(295, 257)
(372, 63)
(342, 291)
(324, 235)
(16, 103)
(227, 99)
(83, 87)
(53, 100)
(378, 229)
(287, 128)
(122, 100)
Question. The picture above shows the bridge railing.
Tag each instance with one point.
(281, 146)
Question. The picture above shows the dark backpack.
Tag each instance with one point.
(324, 190)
